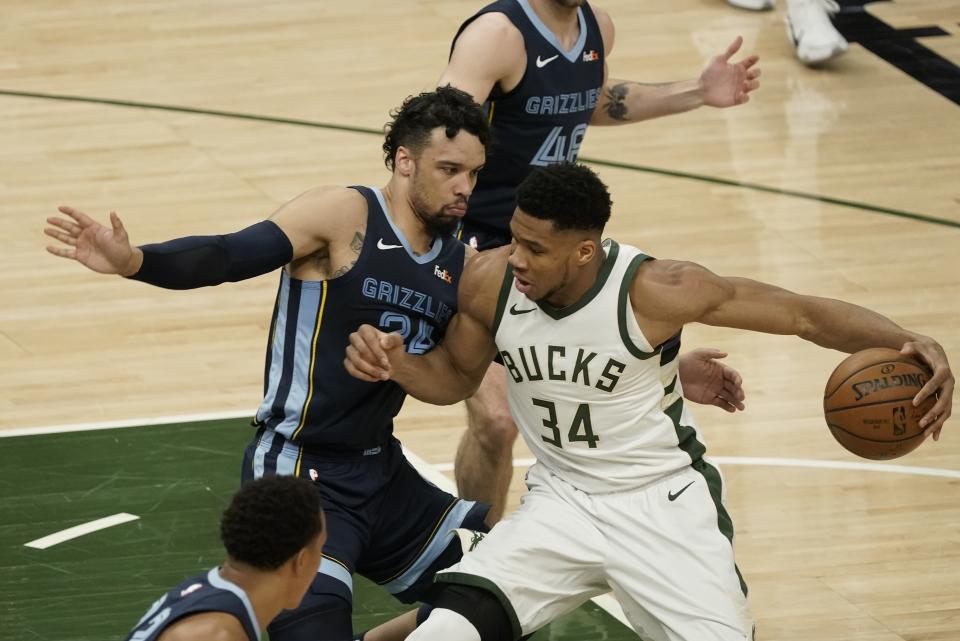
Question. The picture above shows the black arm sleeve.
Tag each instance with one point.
(200, 261)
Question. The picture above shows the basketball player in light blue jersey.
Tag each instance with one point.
(540, 68)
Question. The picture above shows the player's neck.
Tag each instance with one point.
(562, 21)
(580, 284)
(405, 219)
(264, 590)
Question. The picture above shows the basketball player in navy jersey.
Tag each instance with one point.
(540, 68)
(349, 256)
(621, 497)
(273, 532)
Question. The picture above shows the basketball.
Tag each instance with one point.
(868, 403)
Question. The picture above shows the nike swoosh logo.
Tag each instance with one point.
(673, 497)
(515, 311)
(543, 63)
(382, 245)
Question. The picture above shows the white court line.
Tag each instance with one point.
(523, 462)
(789, 462)
(79, 530)
(131, 422)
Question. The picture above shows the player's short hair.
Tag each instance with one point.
(414, 122)
(569, 194)
(270, 519)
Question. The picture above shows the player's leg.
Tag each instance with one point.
(325, 612)
(465, 613)
(484, 461)
(752, 5)
(672, 566)
(323, 615)
(540, 562)
(811, 30)
(413, 533)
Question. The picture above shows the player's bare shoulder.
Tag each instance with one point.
(327, 226)
(607, 31)
(489, 52)
(665, 294)
(212, 626)
(481, 282)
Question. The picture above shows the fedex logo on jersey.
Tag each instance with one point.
(578, 368)
(591, 56)
(443, 274)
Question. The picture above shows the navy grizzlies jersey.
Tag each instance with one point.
(309, 398)
(204, 593)
(543, 119)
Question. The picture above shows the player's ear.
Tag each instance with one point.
(303, 563)
(404, 161)
(586, 250)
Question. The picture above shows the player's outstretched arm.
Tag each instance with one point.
(297, 229)
(452, 370)
(690, 293)
(721, 84)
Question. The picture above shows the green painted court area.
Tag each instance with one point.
(177, 479)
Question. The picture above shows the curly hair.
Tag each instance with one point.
(418, 116)
(569, 194)
(270, 519)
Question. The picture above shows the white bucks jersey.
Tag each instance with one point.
(596, 403)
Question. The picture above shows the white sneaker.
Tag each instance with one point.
(811, 32)
(752, 5)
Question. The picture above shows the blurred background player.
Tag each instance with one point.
(809, 27)
(273, 532)
(540, 68)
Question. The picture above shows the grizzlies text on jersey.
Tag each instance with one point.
(542, 120)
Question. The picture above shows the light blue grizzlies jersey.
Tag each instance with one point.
(203, 593)
(542, 120)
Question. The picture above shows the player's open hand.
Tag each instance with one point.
(369, 353)
(707, 381)
(941, 384)
(105, 250)
(726, 84)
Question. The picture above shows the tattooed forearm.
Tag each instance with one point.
(616, 107)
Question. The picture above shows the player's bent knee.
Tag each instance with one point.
(323, 615)
(494, 429)
(446, 625)
(477, 608)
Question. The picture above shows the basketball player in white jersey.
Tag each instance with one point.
(621, 497)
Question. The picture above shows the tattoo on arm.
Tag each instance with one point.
(355, 246)
(616, 107)
(357, 243)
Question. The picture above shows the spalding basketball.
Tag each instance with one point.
(868, 403)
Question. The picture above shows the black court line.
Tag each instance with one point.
(595, 161)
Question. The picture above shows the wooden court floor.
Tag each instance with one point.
(202, 117)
